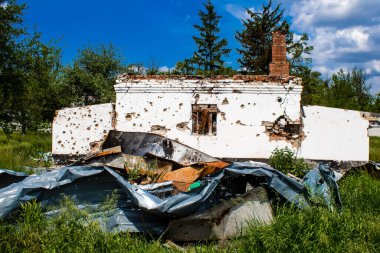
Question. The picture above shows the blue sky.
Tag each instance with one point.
(345, 33)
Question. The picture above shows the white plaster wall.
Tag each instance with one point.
(374, 131)
(143, 104)
(75, 128)
(334, 134)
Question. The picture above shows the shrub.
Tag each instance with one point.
(286, 161)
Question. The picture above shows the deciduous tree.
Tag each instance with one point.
(91, 78)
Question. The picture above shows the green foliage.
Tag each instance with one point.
(285, 161)
(299, 54)
(17, 150)
(349, 90)
(28, 71)
(374, 149)
(72, 230)
(256, 42)
(184, 67)
(315, 90)
(315, 229)
(256, 38)
(91, 78)
(210, 48)
(356, 229)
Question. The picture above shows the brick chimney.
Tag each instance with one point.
(279, 65)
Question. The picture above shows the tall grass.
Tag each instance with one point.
(374, 149)
(356, 229)
(70, 231)
(16, 150)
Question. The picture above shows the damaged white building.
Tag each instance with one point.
(239, 117)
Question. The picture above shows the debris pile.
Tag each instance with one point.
(169, 189)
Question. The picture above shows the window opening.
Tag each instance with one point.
(204, 119)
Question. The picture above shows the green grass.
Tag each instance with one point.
(16, 150)
(356, 229)
(374, 149)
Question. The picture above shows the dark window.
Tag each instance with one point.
(204, 119)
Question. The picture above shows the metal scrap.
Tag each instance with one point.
(159, 180)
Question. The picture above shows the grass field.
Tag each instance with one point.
(356, 229)
(16, 151)
(374, 149)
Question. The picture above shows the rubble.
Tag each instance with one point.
(224, 221)
(283, 128)
(169, 189)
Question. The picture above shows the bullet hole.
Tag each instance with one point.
(183, 126)
(129, 116)
(239, 123)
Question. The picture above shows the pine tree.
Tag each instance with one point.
(256, 38)
(210, 48)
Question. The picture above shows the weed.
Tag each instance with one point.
(374, 149)
(285, 161)
(17, 151)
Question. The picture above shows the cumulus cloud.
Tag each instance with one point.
(335, 13)
(238, 11)
(345, 34)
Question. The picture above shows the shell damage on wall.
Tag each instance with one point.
(79, 130)
(283, 128)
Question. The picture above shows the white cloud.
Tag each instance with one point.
(238, 11)
(374, 81)
(337, 13)
(165, 69)
(4, 5)
(373, 66)
(345, 33)
(330, 43)
(310, 12)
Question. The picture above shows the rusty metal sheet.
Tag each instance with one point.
(213, 167)
(181, 178)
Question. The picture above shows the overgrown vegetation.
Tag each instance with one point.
(285, 160)
(34, 83)
(374, 149)
(22, 152)
(356, 229)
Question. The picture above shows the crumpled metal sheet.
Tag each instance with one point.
(322, 186)
(140, 210)
(141, 144)
(8, 177)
